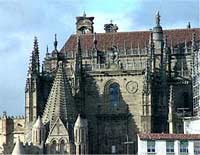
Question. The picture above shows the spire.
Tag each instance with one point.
(165, 52)
(35, 45)
(18, 149)
(151, 39)
(165, 42)
(189, 25)
(193, 54)
(164, 62)
(95, 40)
(60, 102)
(79, 79)
(55, 42)
(158, 18)
(194, 40)
(84, 14)
(79, 56)
(124, 45)
(186, 47)
(34, 67)
(151, 52)
(147, 77)
(47, 50)
(138, 48)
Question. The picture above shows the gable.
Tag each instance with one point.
(58, 131)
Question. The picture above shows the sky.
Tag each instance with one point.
(21, 20)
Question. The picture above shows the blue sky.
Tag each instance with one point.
(21, 20)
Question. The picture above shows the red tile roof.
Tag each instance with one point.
(128, 39)
(165, 136)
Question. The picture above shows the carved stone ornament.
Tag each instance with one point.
(132, 87)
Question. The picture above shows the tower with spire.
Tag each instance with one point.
(32, 83)
(158, 40)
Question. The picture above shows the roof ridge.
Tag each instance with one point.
(110, 33)
(132, 38)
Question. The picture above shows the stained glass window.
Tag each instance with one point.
(114, 94)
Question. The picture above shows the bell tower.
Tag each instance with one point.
(84, 24)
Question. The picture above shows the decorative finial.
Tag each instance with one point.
(35, 39)
(188, 26)
(95, 40)
(186, 48)
(35, 44)
(55, 42)
(84, 14)
(47, 49)
(158, 18)
(165, 41)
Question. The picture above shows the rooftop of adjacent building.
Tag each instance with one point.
(166, 136)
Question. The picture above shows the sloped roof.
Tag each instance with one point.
(18, 149)
(128, 40)
(165, 136)
(59, 100)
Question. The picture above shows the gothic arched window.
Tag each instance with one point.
(114, 92)
(53, 147)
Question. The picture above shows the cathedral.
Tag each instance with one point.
(96, 93)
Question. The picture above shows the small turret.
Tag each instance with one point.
(81, 136)
(158, 34)
(84, 24)
(18, 149)
(38, 132)
(35, 62)
(110, 27)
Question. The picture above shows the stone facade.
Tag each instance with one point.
(121, 84)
